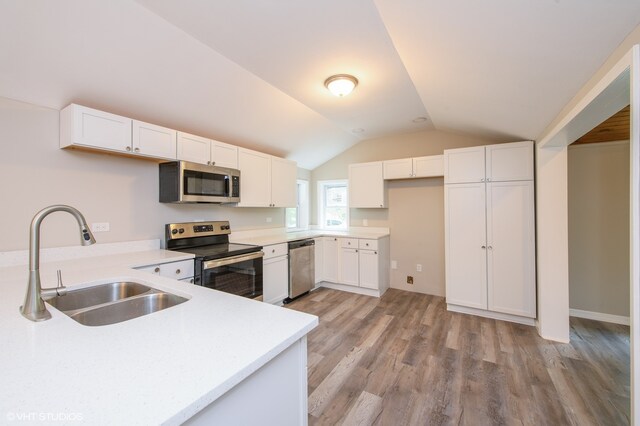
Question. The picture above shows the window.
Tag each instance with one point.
(333, 204)
(297, 218)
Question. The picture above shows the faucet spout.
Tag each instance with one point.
(33, 307)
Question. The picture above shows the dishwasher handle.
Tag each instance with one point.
(302, 243)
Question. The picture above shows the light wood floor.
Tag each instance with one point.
(404, 359)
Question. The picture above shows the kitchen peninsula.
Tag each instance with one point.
(215, 358)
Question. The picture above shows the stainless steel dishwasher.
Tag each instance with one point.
(302, 269)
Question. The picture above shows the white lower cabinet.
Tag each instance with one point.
(348, 266)
(182, 270)
(319, 260)
(369, 277)
(355, 264)
(330, 259)
(275, 273)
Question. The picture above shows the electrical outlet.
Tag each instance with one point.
(409, 279)
(100, 227)
(419, 267)
(394, 264)
(365, 222)
(269, 220)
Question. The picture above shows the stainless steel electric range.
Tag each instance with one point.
(219, 264)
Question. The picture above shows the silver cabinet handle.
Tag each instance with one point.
(273, 250)
(349, 242)
(482, 180)
(375, 252)
(213, 163)
(488, 179)
(128, 148)
(137, 150)
(483, 247)
(490, 248)
(157, 269)
(208, 163)
(366, 244)
(177, 271)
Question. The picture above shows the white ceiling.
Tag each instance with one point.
(252, 72)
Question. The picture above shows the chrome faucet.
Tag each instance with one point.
(34, 308)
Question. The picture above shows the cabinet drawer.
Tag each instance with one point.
(368, 244)
(349, 242)
(275, 250)
(177, 270)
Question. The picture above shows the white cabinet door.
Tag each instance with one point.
(366, 185)
(154, 141)
(89, 127)
(319, 260)
(464, 165)
(284, 174)
(330, 258)
(369, 269)
(275, 279)
(255, 178)
(465, 245)
(348, 271)
(511, 248)
(398, 169)
(510, 161)
(224, 155)
(193, 148)
(430, 166)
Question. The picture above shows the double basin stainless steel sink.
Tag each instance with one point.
(113, 303)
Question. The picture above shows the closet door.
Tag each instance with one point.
(465, 245)
(511, 248)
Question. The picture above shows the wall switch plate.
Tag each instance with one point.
(365, 222)
(419, 267)
(100, 227)
(394, 264)
(269, 220)
(409, 279)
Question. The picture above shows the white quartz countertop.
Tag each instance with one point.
(160, 368)
(285, 237)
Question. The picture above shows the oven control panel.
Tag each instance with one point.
(174, 231)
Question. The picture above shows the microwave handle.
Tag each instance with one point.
(228, 181)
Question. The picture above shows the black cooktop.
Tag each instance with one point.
(219, 251)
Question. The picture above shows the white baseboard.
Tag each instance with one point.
(599, 316)
(350, 288)
(489, 314)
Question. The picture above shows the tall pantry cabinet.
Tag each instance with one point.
(490, 231)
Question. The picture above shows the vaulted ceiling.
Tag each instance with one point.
(252, 72)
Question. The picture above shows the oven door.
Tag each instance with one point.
(239, 275)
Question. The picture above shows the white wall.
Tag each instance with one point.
(599, 227)
(123, 191)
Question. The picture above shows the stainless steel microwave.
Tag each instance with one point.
(185, 182)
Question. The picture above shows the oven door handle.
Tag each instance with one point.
(229, 260)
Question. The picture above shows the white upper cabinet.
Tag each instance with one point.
(194, 148)
(398, 169)
(206, 151)
(510, 161)
(224, 155)
(430, 166)
(266, 181)
(464, 165)
(255, 178)
(493, 163)
(284, 174)
(407, 168)
(366, 186)
(91, 128)
(151, 140)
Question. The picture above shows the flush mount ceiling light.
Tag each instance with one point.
(341, 84)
